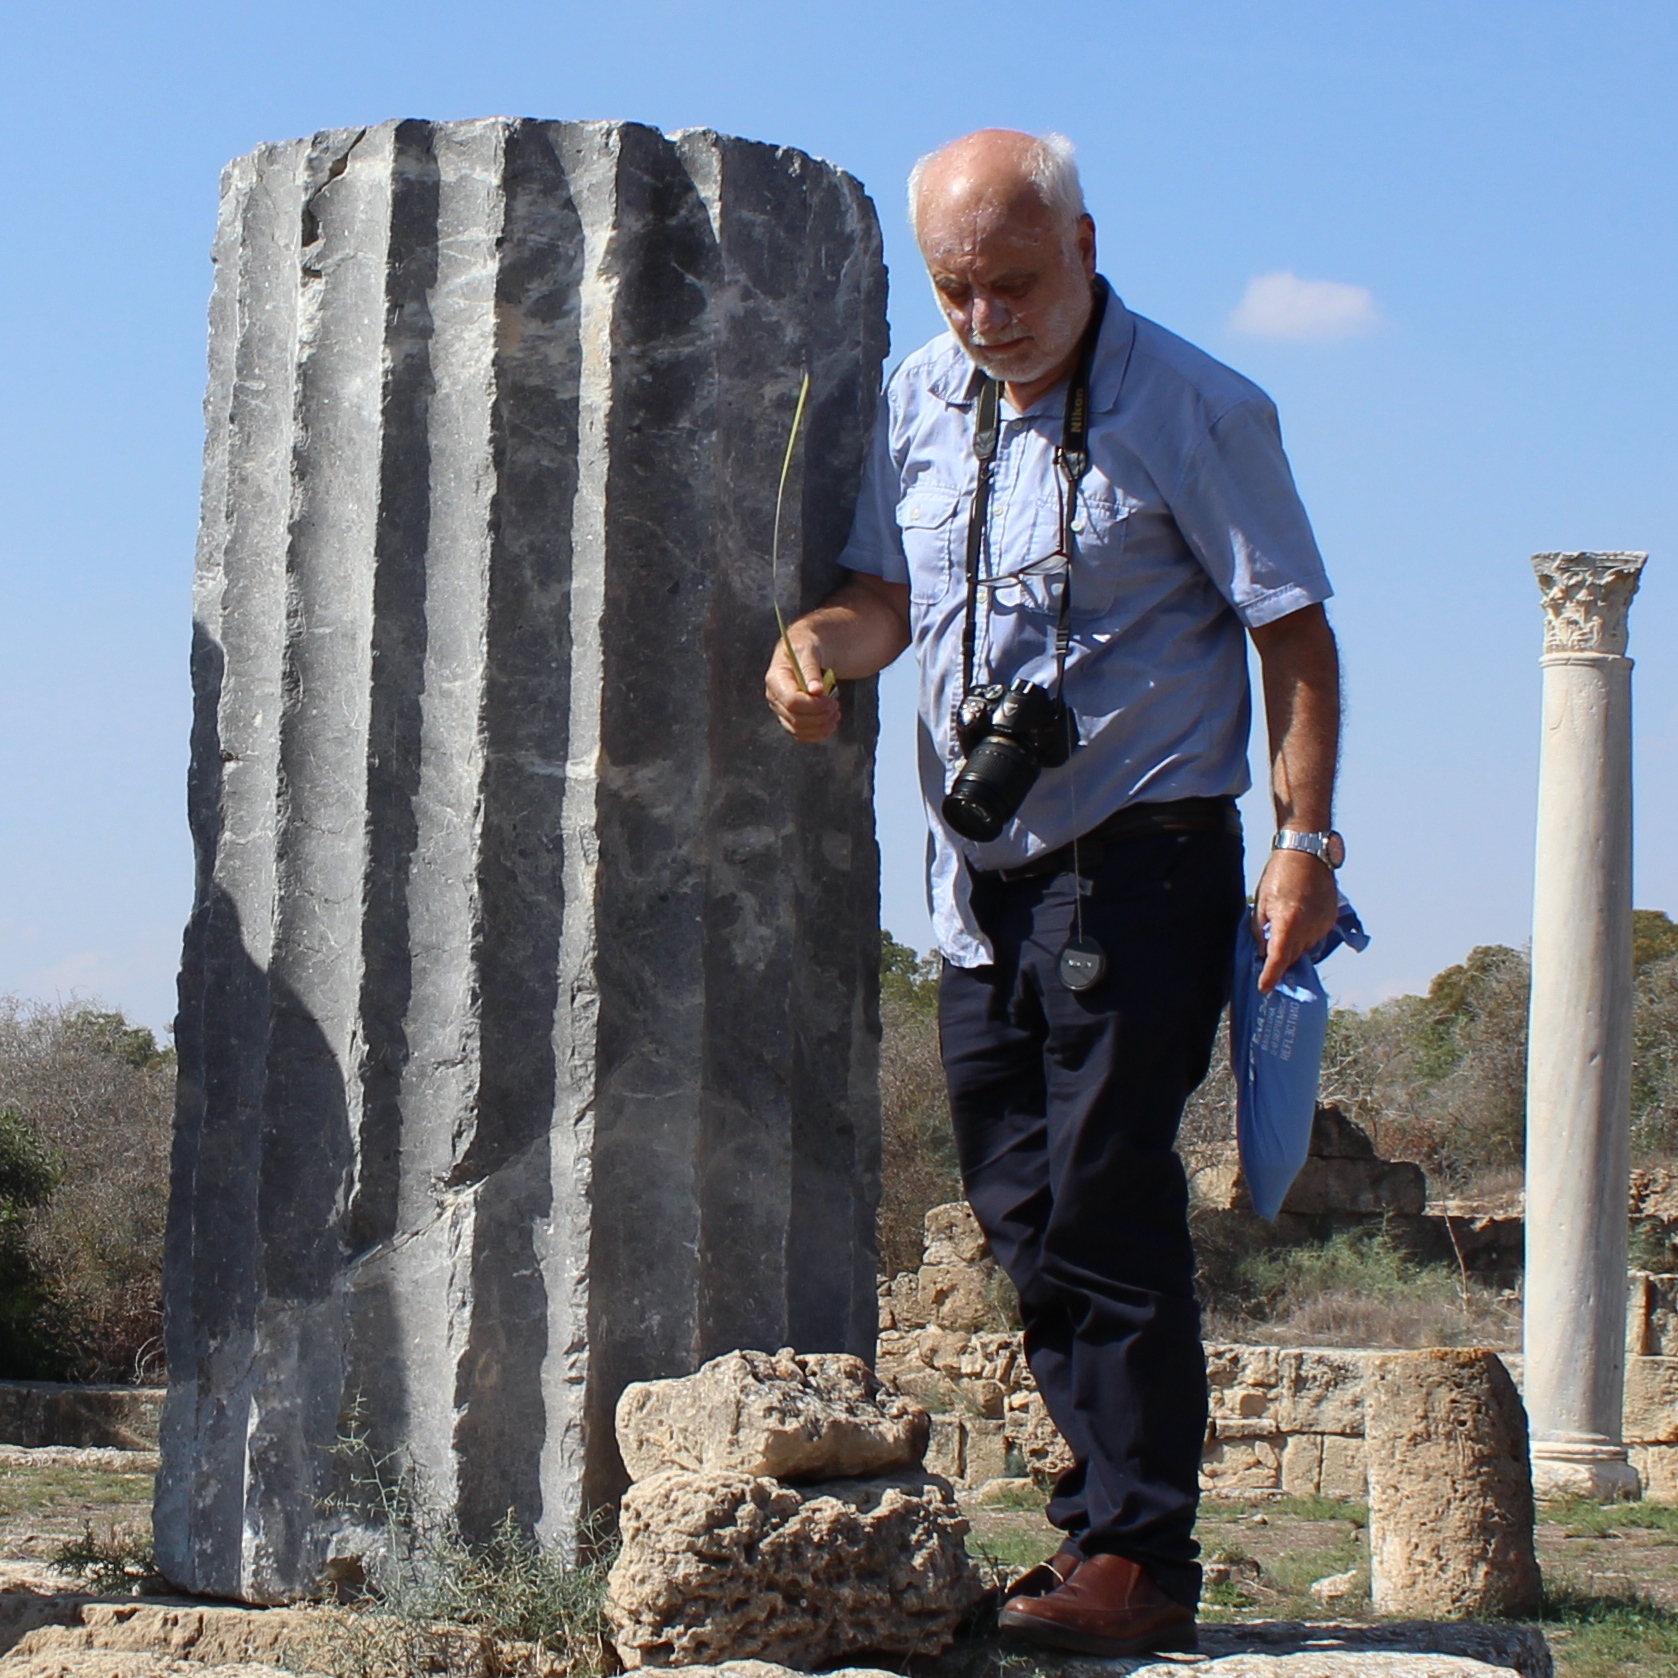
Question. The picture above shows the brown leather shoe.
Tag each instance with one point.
(1108, 1607)
(1047, 1575)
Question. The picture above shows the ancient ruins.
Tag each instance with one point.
(527, 1035)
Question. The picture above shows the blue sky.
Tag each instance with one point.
(1493, 181)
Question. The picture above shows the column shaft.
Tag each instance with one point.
(528, 1024)
(1579, 1044)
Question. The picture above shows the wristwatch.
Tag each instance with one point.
(1328, 848)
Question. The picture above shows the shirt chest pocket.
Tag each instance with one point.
(932, 541)
(1099, 528)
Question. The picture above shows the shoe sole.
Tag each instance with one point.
(1169, 1640)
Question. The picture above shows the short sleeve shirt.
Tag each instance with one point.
(1188, 530)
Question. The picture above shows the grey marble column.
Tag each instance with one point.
(528, 1029)
(1579, 1042)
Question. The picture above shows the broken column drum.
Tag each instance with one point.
(528, 1030)
(1579, 1037)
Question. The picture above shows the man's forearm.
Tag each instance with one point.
(1302, 709)
(858, 630)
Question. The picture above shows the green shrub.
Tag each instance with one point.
(96, 1095)
(29, 1332)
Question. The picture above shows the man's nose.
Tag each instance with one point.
(990, 314)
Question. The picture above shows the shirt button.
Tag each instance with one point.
(1078, 526)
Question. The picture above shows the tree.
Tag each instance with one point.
(28, 1177)
(918, 1163)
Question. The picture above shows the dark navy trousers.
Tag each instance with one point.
(1066, 1107)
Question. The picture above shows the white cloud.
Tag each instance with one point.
(1282, 305)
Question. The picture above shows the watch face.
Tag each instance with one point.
(1334, 852)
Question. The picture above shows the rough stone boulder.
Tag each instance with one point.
(792, 1417)
(1450, 1486)
(729, 1566)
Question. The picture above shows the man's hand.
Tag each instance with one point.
(808, 713)
(1297, 894)
(860, 628)
(1298, 899)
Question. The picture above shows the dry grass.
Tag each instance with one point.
(1358, 1289)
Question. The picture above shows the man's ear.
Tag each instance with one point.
(1086, 243)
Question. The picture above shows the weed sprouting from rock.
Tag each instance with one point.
(423, 1592)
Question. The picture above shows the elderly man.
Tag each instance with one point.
(1076, 518)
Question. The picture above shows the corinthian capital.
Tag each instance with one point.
(1586, 600)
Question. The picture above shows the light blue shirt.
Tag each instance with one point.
(1188, 531)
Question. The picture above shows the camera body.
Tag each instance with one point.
(1009, 736)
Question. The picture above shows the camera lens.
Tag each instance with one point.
(992, 785)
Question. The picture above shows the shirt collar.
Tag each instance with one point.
(957, 379)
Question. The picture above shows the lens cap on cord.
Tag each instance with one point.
(1083, 963)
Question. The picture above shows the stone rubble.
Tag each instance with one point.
(1283, 1419)
(722, 1561)
(720, 1566)
(819, 1417)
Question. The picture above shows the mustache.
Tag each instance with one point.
(988, 341)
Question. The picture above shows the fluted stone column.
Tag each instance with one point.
(1579, 1043)
(528, 1029)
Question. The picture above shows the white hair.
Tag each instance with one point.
(1051, 165)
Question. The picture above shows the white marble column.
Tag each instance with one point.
(1579, 1043)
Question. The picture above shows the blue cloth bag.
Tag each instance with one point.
(1276, 1054)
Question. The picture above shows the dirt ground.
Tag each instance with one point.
(1611, 1573)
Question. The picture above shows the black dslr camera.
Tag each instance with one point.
(1008, 736)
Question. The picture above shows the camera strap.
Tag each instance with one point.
(1072, 460)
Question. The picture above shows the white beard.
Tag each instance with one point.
(1054, 339)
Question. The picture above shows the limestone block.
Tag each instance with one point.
(526, 1033)
(956, 1296)
(1229, 1465)
(1324, 1664)
(823, 1416)
(984, 1451)
(945, 1453)
(1658, 1466)
(1651, 1403)
(943, 1349)
(1034, 1435)
(1320, 1390)
(1499, 1648)
(953, 1236)
(1242, 1401)
(1302, 1465)
(907, 1309)
(1345, 1472)
(215, 1636)
(1243, 1427)
(1234, 1368)
(768, 1669)
(925, 1386)
(1450, 1488)
(717, 1567)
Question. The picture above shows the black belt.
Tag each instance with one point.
(1177, 815)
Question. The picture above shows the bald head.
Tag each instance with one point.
(993, 169)
(1010, 251)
